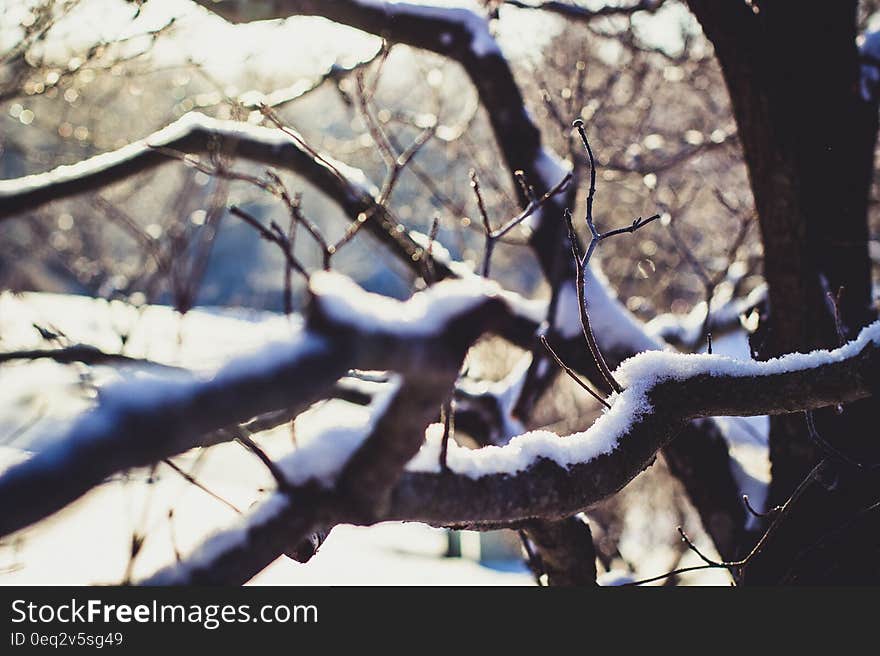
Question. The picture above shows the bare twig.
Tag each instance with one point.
(581, 261)
(242, 436)
(736, 567)
(429, 275)
(571, 373)
(194, 481)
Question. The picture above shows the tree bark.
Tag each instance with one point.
(808, 137)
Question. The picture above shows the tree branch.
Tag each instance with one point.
(501, 487)
(197, 134)
(143, 421)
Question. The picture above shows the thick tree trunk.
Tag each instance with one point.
(808, 136)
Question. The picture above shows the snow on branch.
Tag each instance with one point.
(196, 134)
(538, 475)
(141, 421)
(326, 441)
(148, 418)
(192, 134)
(455, 32)
(688, 330)
(464, 36)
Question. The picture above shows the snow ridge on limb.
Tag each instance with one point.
(146, 419)
(539, 474)
(522, 148)
(641, 375)
(139, 422)
(196, 134)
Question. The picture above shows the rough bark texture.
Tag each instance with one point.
(808, 137)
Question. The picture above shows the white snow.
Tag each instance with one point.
(637, 374)
(568, 318)
(523, 450)
(614, 327)
(96, 530)
(687, 329)
(390, 554)
(96, 534)
(224, 541)
(869, 84)
(440, 253)
(426, 313)
(659, 366)
(328, 435)
(42, 397)
(529, 308)
(746, 437)
(483, 44)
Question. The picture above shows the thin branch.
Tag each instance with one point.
(447, 416)
(282, 241)
(487, 226)
(192, 480)
(581, 261)
(571, 373)
(756, 513)
(243, 437)
(84, 354)
(580, 13)
(675, 572)
(429, 274)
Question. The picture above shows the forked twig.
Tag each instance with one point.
(581, 261)
(736, 567)
(534, 204)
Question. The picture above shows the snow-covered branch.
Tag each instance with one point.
(197, 134)
(536, 476)
(540, 474)
(349, 329)
(141, 421)
(465, 37)
(336, 471)
(192, 134)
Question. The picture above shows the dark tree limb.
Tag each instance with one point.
(543, 489)
(138, 423)
(568, 557)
